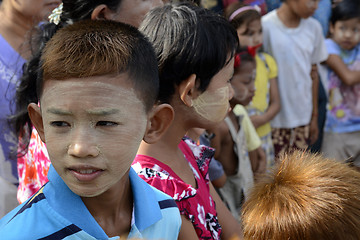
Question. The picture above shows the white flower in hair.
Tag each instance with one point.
(55, 14)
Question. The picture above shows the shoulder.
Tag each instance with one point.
(313, 25)
(332, 47)
(269, 17)
(33, 219)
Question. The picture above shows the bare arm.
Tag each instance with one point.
(273, 109)
(187, 230)
(231, 229)
(346, 75)
(314, 129)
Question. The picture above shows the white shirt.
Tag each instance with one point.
(295, 50)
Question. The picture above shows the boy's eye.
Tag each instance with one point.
(106, 123)
(59, 124)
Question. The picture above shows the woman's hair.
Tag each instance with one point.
(188, 40)
(73, 11)
(345, 10)
(304, 197)
(246, 14)
(101, 48)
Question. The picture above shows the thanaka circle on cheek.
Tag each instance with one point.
(212, 106)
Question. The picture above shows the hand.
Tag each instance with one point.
(313, 130)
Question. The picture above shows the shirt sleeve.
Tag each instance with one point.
(320, 53)
(332, 47)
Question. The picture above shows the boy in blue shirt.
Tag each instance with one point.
(97, 86)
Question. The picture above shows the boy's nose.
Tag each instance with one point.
(83, 146)
(82, 150)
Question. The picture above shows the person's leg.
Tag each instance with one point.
(281, 140)
(334, 146)
(300, 138)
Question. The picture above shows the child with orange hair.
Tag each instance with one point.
(305, 197)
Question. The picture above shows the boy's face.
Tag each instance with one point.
(251, 34)
(92, 129)
(346, 33)
(303, 8)
(243, 84)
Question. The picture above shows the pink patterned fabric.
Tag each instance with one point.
(32, 168)
(195, 203)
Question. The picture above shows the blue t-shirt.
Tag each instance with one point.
(10, 71)
(55, 212)
(343, 113)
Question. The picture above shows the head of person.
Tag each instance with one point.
(195, 49)
(305, 197)
(128, 11)
(345, 24)
(97, 84)
(243, 81)
(302, 8)
(247, 22)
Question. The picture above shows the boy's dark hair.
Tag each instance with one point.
(304, 197)
(98, 47)
(242, 18)
(188, 40)
(345, 10)
(73, 11)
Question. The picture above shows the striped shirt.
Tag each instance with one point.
(55, 212)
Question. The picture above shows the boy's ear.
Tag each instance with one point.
(159, 121)
(187, 90)
(102, 12)
(36, 119)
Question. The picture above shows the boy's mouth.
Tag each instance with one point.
(85, 174)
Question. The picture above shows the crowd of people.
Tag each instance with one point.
(180, 119)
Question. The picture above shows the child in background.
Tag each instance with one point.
(17, 20)
(195, 72)
(342, 128)
(305, 197)
(296, 42)
(236, 139)
(265, 104)
(95, 107)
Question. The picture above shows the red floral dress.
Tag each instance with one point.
(195, 203)
(32, 168)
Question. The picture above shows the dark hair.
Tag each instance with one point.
(73, 10)
(345, 10)
(99, 47)
(245, 17)
(188, 40)
(242, 55)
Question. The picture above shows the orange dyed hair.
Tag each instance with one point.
(305, 197)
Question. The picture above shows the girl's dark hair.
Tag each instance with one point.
(244, 17)
(242, 55)
(73, 11)
(188, 40)
(345, 10)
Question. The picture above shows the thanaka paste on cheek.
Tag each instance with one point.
(213, 106)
